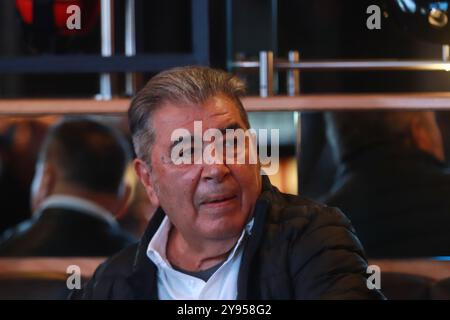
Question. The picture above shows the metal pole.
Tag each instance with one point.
(274, 42)
(130, 44)
(351, 65)
(265, 73)
(445, 52)
(293, 76)
(293, 89)
(298, 145)
(107, 48)
(229, 32)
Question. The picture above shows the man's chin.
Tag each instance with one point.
(222, 232)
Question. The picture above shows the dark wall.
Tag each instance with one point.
(330, 29)
(319, 29)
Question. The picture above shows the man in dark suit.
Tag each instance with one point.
(77, 192)
(392, 181)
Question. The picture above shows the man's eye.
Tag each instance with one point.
(185, 152)
(230, 143)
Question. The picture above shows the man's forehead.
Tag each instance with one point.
(215, 111)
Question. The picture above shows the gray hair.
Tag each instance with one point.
(184, 85)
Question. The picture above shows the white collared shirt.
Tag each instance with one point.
(175, 285)
(78, 204)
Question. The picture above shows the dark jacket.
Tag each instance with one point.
(297, 250)
(63, 232)
(397, 199)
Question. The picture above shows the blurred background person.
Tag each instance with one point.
(392, 181)
(77, 191)
(20, 140)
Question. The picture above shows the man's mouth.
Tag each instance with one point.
(218, 199)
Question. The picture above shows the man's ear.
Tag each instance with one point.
(124, 201)
(427, 136)
(43, 185)
(421, 137)
(144, 173)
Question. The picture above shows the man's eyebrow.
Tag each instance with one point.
(233, 126)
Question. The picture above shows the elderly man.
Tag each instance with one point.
(222, 231)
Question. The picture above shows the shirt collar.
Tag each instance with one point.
(156, 250)
(77, 204)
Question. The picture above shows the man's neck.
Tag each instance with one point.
(196, 256)
(105, 200)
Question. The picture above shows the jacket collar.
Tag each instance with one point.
(69, 203)
(143, 276)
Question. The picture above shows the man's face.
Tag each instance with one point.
(203, 201)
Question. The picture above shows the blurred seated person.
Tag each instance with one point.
(317, 171)
(77, 192)
(20, 141)
(392, 181)
(443, 120)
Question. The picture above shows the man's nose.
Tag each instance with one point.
(216, 172)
